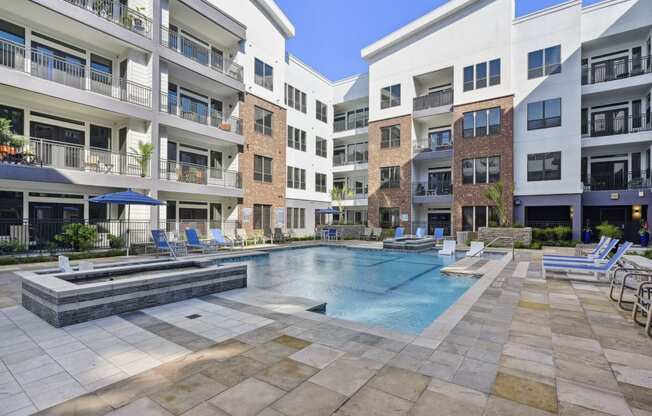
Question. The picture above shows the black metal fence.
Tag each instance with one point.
(613, 69)
(434, 99)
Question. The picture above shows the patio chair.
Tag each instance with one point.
(421, 232)
(64, 264)
(601, 255)
(399, 232)
(269, 235)
(161, 243)
(219, 239)
(279, 236)
(241, 235)
(332, 234)
(599, 267)
(586, 249)
(439, 234)
(193, 241)
(259, 235)
(377, 233)
(477, 249)
(626, 278)
(448, 249)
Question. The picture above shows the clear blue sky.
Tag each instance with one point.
(331, 33)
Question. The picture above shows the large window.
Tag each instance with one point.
(296, 218)
(482, 122)
(481, 75)
(320, 182)
(262, 169)
(544, 166)
(474, 217)
(321, 111)
(296, 178)
(390, 177)
(296, 139)
(468, 78)
(544, 62)
(494, 72)
(352, 119)
(321, 147)
(544, 114)
(481, 170)
(262, 217)
(295, 98)
(390, 136)
(100, 137)
(390, 96)
(389, 217)
(264, 74)
(263, 121)
(478, 77)
(16, 116)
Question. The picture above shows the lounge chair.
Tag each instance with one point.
(448, 249)
(399, 232)
(602, 254)
(624, 278)
(421, 232)
(477, 249)
(242, 237)
(64, 264)
(219, 240)
(260, 236)
(161, 243)
(587, 249)
(598, 267)
(193, 241)
(439, 234)
(643, 305)
(333, 234)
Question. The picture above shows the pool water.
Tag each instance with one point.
(400, 291)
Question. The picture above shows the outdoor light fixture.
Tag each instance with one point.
(517, 202)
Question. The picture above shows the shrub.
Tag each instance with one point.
(77, 236)
(608, 230)
(11, 247)
(562, 232)
(116, 241)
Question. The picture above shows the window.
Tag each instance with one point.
(263, 121)
(468, 78)
(320, 218)
(494, 72)
(481, 75)
(390, 96)
(296, 218)
(296, 178)
(389, 217)
(100, 137)
(295, 98)
(262, 217)
(390, 177)
(296, 139)
(15, 116)
(544, 166)
(481, 170)
(544, 61)
(390, 136)
(263, 74)
(321, 147)
(321, 111)
(479, 216)
(320, 182)
(481, 122)
(262, 169)
(544, 114)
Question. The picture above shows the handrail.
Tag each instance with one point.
(502, 237)
(118, 13)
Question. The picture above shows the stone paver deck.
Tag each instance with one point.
(526, 346)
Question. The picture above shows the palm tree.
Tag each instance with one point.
(340, 194)
(495, 194)
(144, 152)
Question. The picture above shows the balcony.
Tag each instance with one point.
(81, 77)
(200, 54)
(427, 193)
(434, 103)
(433, 148)
(200, 115)
(351, 162)
(617, 181)
(352, 120)
(118, 13)
(627, 127)
(356, 199)
(199, 175)
(615, 69)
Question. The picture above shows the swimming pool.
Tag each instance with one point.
(399, 291)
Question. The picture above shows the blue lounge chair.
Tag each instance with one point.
(399, 232)
(161, 243)
(193, 241)
(332, 234)
(596, 252)
(600, 266)
(439, 234)
(420, 232)
(219, 240)
(579, 259)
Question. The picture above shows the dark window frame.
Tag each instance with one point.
(266, 76)
(261, 117)
(265, 173)
(390, 96)
(544, 174)
(390, 136)
(390, 177)
(544, 122)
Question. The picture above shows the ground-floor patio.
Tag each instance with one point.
(526, 346)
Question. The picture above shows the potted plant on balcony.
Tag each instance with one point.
(9, 141)
(644, 234)
(144, 153)
(225, 126)
(587, 233)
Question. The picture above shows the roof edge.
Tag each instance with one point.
(280, 19)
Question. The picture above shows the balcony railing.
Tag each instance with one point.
(432, 100)
(118, 13)
(200, 53)
(201, 115)
(609, 126)
(357, 120)
(200, 175)
(342, 160)
(614, 182)
(47, 153)
(432, 189)
(432, 145)
(82, 77)
(356, 196)
(614, 69)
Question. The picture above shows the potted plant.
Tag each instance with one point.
(225, 126)
(586, 233)
(644, 234)
(6, 136)
(144, 153)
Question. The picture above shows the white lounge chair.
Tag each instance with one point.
(600, 255)
(477, 249)
(598, 267)
(64, 264)
(448, 249)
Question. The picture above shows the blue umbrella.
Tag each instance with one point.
(328, 211)
(127, 198)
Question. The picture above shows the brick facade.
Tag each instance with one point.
(256, 192)
(473, 147)
(398, 156)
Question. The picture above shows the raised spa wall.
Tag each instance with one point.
(59, 302)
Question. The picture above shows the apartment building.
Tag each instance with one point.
(555, 105)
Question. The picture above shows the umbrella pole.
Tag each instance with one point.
(128, 228)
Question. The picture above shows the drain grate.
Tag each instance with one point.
(194, 316)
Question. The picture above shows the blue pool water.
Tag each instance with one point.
(399, 291)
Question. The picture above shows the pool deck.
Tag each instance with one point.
(514, 344)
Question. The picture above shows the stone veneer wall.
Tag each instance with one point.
(258, 144)
(521, 235)
(401, 197)
(474, 147)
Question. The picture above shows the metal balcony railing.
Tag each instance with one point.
(613, 69)
(356, 196)
(614, 182)
(432, 189)
(200, 53)
(200, 114)
(198, 174)
(432, 100)
(55, 69)
(342, 160)
(432, 145)
(118, 13)
(609, 125)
